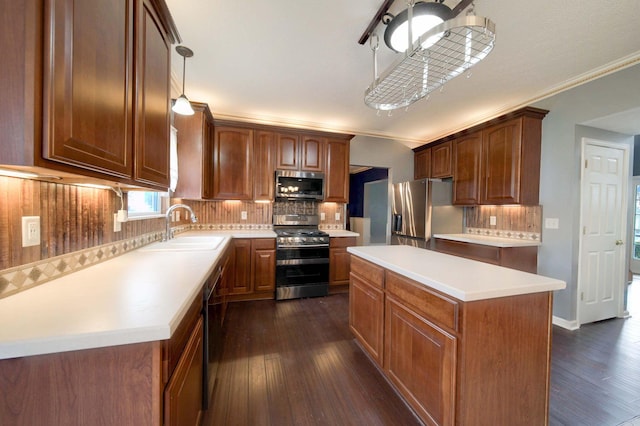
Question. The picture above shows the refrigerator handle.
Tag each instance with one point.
(397, 223)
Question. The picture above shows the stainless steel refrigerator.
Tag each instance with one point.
(422, 208)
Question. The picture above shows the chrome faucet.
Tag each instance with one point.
(168, 232)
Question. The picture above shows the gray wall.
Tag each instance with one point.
(560, 170)
(378, 152)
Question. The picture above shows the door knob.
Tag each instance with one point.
(619, 242)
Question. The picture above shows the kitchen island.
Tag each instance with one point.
(463, 342)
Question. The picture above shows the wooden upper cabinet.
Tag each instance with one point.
(511, 162)
(442, 160)
(466, 173)
(88, 87)
(287, 146)
(312, 153)
(153, 97)
(300, 152)
(422, 164)
(195, 153)
(263, 165)
(337, 171)
(232, 160)
(92, 93)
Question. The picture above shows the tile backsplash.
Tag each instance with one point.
(520, 222)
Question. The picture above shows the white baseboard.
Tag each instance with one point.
(569, 325)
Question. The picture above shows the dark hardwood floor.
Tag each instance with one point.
(296, 363)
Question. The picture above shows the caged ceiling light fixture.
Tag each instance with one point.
(438, 52)
(182, 105)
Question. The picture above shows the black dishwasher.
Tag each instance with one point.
(212, 311)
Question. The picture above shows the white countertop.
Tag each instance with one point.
(340, 233)
(140, 296)
(488, 240)
(464, 279)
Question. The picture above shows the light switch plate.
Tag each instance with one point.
(243, 215)
(30, 231)
(322, 216)
(552, 223)
(492, 220)
(337, 215)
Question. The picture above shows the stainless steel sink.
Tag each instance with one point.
(187, 243)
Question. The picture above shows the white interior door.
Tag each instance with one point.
(603, 220)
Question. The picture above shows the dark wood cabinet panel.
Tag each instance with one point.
(442, 160)
(466, 172)
(521, 258)
(232, 163)
(241, 266)
(195, 153)
(422, 164)
(366, 316)
(183, 394)
(312, 153)
(339, 261)
(337, 171)
(264, 165)
(420, 359)
(153, 68)
(88, 84)
(287, 157)
(264, 264)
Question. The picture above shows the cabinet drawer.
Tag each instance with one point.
(373, 274)
(342, 242)
(264, 243)
(440, 309)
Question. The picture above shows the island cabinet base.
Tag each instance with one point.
(484, 362)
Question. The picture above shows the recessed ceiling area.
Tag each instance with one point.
(299, 63)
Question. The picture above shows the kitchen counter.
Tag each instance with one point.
(340, 233)
(140, 296)
(488, 240)
(464, 279)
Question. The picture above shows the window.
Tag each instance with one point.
(144, 203)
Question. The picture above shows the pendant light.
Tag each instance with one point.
(182, 105)
(425, 17)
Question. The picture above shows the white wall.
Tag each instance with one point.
(560, 170)
(378, 152)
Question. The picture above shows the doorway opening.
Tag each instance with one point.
(369, 212)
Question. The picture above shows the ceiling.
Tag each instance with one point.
(298, 63)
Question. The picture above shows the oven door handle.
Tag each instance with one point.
(302, 261)
(303, 246)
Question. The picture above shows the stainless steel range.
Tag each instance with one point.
(302, 257)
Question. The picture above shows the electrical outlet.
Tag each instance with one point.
(492, 220)
(322, 216)
(30, 231)
(243, 215)
(552, 223)
(337, 215)
(117, 224)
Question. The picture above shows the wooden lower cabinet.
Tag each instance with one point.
(339, 261)
(183, 394)
(484, 362)
(253, 266)
(420, 361)
(521, 258)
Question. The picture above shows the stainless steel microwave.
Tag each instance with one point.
(294, 185)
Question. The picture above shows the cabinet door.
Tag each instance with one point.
(232, 167)
(441, 160)
(183, 394)
(241, 267)
(340, 260)
(422, 164)
(88, 85)
(152, 100)
(264, 264)
(287, 157)
(337, 173)
(366, 316)
(264, 165)
(312, 154)
(466, 172)
(420, 359)
(501, 148)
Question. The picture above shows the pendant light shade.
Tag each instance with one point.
(182, 105)
(425, 17)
